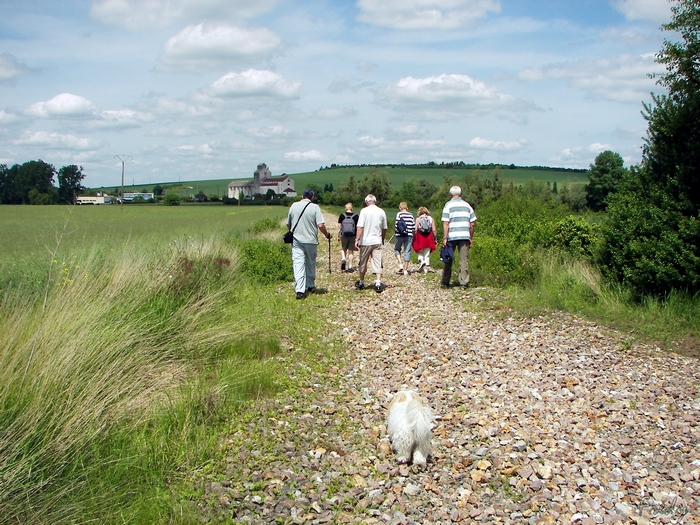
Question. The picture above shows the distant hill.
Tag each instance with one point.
(397, 173)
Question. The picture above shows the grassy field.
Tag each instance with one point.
(33, 230)
(397, 175)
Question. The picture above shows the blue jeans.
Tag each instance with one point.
(406, 242)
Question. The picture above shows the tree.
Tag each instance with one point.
(69, 183)
(377, 183)
(652, 236)
(36, 175)
(604, 179)
(157, 190)
(9, 193)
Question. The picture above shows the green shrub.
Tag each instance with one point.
(171, 199)
(265, 261)
(573, 236)
(504, 262)
(267, 224)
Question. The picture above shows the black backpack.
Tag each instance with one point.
(347, 226)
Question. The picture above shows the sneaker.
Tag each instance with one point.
(359, 285)
(350, 269)
(311, 289)
(378, 287)
(342, 265)
(300, 295)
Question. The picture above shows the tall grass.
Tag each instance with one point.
(110, 376)
(572, 284)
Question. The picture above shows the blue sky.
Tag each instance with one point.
(208, 89)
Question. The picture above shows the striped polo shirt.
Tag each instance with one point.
(460, 215)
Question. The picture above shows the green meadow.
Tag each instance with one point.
(397, 175)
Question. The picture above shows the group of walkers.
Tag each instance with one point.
(366, 234)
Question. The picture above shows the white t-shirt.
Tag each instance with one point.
(373, 220)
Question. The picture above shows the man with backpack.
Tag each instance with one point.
(347, 227)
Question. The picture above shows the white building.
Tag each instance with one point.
(261, 183)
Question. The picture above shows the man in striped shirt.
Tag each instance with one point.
(458, 220)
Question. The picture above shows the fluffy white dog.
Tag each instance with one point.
(409, 423)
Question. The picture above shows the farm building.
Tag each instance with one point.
(261, 183)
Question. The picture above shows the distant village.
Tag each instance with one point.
(263, 186)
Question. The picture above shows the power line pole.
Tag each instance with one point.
(122, 158)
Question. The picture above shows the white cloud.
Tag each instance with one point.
(149, 14)
(497, 145)
(579, 156)
(203, 47)
(253, 83)
(46, 139)
(10, 68)
(9, 117)
(64, 105)
(621, 79)
(123, 119)
(270, 133)
(203, 150)
(655, 10)
(425, 14)
(303, 155)
(408, 131)
(411, 150)
(446, 97)
(334, 113)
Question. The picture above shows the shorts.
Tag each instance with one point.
(371, 255)
(347, 243)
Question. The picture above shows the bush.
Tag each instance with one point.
(171, 199)
(574, 236)
(267, 224)
(504, 262)
(265, 261)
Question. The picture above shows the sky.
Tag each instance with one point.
(208, 89)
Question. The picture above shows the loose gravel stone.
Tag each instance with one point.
(551, 419)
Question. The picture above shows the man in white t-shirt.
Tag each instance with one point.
(369, 239)
(306, 219)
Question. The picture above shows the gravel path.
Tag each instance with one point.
(540, 420)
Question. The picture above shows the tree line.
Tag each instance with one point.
(33, 183)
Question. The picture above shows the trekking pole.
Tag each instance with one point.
(329, 255)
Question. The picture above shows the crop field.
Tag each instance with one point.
(397, 175)
(34, 231)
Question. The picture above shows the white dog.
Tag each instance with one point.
(408, 423)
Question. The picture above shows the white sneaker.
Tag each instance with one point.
(405, 272)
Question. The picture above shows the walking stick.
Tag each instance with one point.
(329, 255)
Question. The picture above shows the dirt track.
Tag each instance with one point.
(546, 420)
